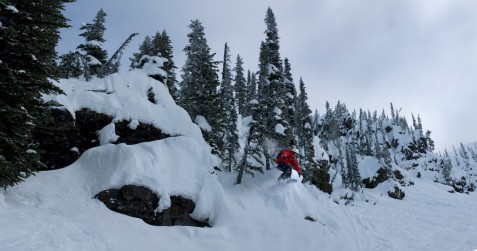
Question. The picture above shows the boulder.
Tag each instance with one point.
(321, 179)
(140, 202)
(397, 194)
(374, 181)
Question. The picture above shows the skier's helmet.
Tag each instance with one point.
(295, 150)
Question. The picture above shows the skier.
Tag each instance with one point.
(286, 161)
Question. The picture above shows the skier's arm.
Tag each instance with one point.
(295, 164)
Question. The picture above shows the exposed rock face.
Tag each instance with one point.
(87, 124)
(140, 202)
(143, 133)
(321, 179)
(178, 214)
(382, 176)
(56, 140)
(459, 185)
(397, 194)
(415, 149)
(62, 140)
(373, 182)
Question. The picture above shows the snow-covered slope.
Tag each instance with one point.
(55, 210)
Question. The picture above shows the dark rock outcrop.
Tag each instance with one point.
(373, 182)
(135, 201)
(140, 202)
(56, 140)
(397, 194)
(143, 133)
(321, 179)
(63, 139)
(178, 214)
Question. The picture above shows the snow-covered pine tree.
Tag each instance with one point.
(113, 64)
(457, 161)
(28, 37)
(386, 155)
(362, 133)
(144, 49)
(341, 160)
(271, 91)
(230, 145)
(251, 91)
(164, 44)
(393, 115)
(94, 54)
(252, 158)
(159, 45)
(466, 159)
(446, 166)
(353, 176)
(241, 87)
(324, 124)
(305, 132)
(316, 122)
(290, 99)
(70, 66)
(198, 94)
(429, 141)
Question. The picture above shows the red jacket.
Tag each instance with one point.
(288, 157)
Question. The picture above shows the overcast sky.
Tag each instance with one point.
(419, 55)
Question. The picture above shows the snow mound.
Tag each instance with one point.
(173, 166)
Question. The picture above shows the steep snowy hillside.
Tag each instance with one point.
(56, 210)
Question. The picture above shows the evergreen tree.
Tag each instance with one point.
(252, 88)
(393, 115)
(271, 90)
(251, 160)
(28, 36)
(316, 122)
(70, 66)
(240, 86)
(162, 45)
(353, 176)
(429, 142)
(144, 50)
(113, 64)
(343, 168)
(199, 95)
(466, 159)
(290, 99)
(305, 132)
(94, 54)
(230, 143)
(446, 166)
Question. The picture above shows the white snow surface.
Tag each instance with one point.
(93, 61)
(153, 65)
(107, 134)
(12, 8)
(280, 129)
(202, 123)
(124, 96)
(55, 210)
(95, 43)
